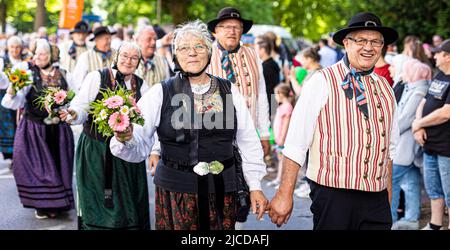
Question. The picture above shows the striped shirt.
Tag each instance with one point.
(66, 61)
(345, 149)
(247, 70)
(158, 73)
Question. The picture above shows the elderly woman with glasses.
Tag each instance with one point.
(43, 149)
(112, 193)
(198, 118)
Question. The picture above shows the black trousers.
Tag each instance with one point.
(347, 209)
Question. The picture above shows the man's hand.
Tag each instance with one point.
(125, 135)
(420, 136)
(259, 203)
(153, 162)
(266, 147)
(64, 115)
(281, 208)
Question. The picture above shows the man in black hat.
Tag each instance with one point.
(347, 121)
(99, 57)
(241, 66)
(72, 49)
(432, 131)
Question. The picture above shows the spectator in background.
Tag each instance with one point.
(405, 171)
(382, 67)
(327, 54)
(279, 54)
(271, 70)
(42, 33)
(437, 40)
(310, 61)
(432, 131)
(117, 38)
(339, 52)
(390, 53)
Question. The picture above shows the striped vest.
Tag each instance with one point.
(245, 67)
(66, 61)
(157, 74)
(349, 151)
(95, 61)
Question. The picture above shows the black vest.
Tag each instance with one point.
(186, 147)
(32, 111)
(106, 83)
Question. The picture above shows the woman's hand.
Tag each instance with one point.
(11, 91)
(67, 115)
(126, 135)
(259, 203)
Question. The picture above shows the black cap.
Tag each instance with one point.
(444, 46)
(102, 30)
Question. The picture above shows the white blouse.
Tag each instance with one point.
(247, 139)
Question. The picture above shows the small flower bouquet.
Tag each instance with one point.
(19, 76)
(115, 112)
(52, 100)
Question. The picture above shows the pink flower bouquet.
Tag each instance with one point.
(115, 112)
(52, 100)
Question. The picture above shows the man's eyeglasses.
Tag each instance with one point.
(199, 49)
(363, 42)
(124, 57)
(230, 28)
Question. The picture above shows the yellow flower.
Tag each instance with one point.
(13, 78)
(23, 72)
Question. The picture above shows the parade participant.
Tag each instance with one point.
(195, 181)
(12, 57)
(96, 167)
(153, 68)
(432, 130)
(96, 58)
(72, 49)
(346, 118)
(241, 65)
(43, 154)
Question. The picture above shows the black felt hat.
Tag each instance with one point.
(366, 21)
(81, 27)
(230, 13)
(100, 31)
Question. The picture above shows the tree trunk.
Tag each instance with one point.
(3, 9)
(41, 14)
(178, 10)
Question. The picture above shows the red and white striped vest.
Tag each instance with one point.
(245, 67)
(349, 151)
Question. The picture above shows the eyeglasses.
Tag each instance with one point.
(230, 28)
(363, 42)
(124, 57)
(185, 49)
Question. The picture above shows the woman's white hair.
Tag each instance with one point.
(128, 45)
(14, 40)
(195, 28)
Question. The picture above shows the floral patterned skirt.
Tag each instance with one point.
(179, 211)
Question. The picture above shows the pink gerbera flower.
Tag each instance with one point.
(114, 102)
(60, 96)
(119, 122)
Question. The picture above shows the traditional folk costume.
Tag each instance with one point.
(7, 116)
(91, 60)
(153, 70)
(112, 193)
(43, 154)
(184, 199)
(244, 69)
(70, 54)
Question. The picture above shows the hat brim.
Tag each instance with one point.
(247, 24)
(389, 35)
(111, 33)
(436, 50)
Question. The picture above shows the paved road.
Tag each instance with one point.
(15, 217)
